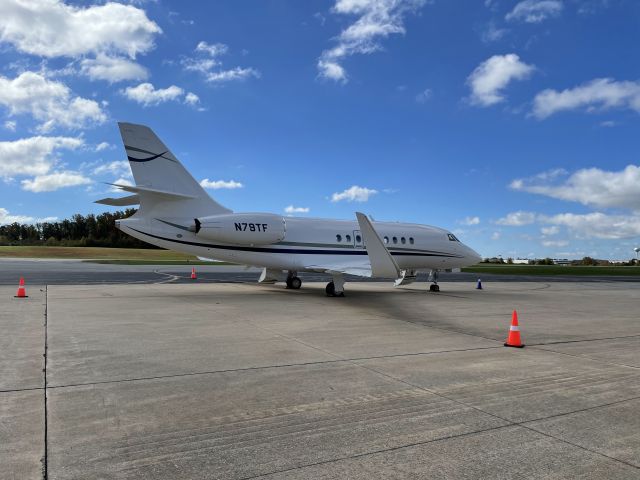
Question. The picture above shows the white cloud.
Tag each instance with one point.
(470, 221)
(517, 219)
(191, 99)
(493, 75)
(596, 95)
(597, 224)
(218, 184)
(147, 95)
(424, 96)
(354, 194)
(103, 146)
(10, 125)
(291, 209)
(495, 236)
(236, 73)
(332, 70)
(50, 28)
(535, 11)
(492, 33)
(555, 243)
(116, 168)
(550, 230)
(589, 186)
(49, 102)
(200, 65)
(207, 63)
(213, 50)
(6, 218)
(54, 181)
(112, 69)
(377, 20)
(34, 155)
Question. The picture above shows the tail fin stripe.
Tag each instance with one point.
(131, 159)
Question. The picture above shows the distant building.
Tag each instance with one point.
(561, 261)
(521, 261)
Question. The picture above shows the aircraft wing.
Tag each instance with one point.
(361, 268)
(377, 263)
(381, 261)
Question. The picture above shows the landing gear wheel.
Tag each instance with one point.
(330, 290)
(434, 288)
(296, 283)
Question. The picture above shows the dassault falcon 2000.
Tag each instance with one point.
(176, 213)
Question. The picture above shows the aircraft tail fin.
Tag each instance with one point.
(161, 179)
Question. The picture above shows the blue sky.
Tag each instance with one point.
(512, 123)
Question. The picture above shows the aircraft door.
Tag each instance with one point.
(357, 239)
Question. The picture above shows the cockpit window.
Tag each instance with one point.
(452, 237)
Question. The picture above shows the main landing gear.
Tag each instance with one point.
(293, 281)
(335, 288)
(434, 287)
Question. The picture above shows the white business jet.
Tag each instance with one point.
(176, 213)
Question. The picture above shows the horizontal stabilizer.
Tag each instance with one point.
(382, 263)
(154, 191)
(120, 202)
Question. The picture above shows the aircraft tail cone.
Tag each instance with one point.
(21, 290)
(479, 285)
(193, 273)
(513, 339)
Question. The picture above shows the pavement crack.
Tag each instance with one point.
(514, 423)
(45, 462)
(375, 452)
(246, 369)
(584, 340)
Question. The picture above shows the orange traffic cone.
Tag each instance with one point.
(513, 340)
(193, 273)
(21, 291)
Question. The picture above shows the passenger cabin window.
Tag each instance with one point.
(348, 237)
(386, 239)
(395, 239)
(411, 240)
(452, 237)
(358, 238)
(339, 238)
(403, 240)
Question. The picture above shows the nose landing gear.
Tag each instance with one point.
(434, 287)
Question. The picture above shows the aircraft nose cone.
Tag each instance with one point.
(473, 256)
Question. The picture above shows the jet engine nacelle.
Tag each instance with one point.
(242, 228)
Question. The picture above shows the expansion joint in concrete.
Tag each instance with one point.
(45, 460)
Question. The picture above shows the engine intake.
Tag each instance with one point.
(242, 228)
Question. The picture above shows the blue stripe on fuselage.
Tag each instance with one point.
(291, 250)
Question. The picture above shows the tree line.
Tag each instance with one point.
(78, 231)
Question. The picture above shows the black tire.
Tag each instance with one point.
(434, 288)
(288, 282)
(330, 289)
(295, 283)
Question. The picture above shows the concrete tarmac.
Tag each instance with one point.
(242, 381)
(74, 272)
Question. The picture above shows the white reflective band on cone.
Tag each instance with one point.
(514, 328)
